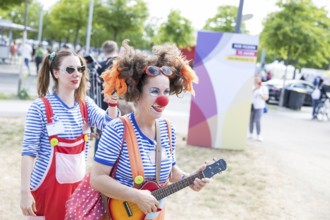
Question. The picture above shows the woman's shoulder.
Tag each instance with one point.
(166, 123)
(88, 101)
(39, 102)
(38, 105)
(116, 123)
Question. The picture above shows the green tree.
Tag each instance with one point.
(224, 20)
(7, 4)
(298, 34)
(121, 19)
(16, 14)
(68, 21)
(176, 29)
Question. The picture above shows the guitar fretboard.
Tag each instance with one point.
(174, 187)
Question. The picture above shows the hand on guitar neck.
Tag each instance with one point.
(198, 184)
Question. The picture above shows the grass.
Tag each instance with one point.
(4, 96)
(23, 95)
(246, 190)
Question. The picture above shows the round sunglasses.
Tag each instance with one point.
(71, 69)
(155, 70)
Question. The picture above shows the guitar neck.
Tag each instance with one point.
(174, 187)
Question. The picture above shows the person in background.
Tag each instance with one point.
(316, 80)
(259, 98)
(268, 75)
(318, 95)
(13, 53)
(303, 77)
(148, 81)
(56, 136)
(38, 56)
(26, 51)
(110, 52)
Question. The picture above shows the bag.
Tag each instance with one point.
(316, 94)
(252, 108)
(265, 109)
(85, 203)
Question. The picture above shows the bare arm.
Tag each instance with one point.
(264, 96)
(112, 112)
(113, 105)
(28, 206)
(177, 174)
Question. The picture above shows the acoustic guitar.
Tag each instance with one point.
(123, 210)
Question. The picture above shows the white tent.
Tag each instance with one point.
(6, 40)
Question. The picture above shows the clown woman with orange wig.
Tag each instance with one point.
(139, 148)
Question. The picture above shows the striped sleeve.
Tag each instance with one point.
(96, 115)
(34, 128)
(110, 143)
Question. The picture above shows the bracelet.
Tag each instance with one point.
(113, 104)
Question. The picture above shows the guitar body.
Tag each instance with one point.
(121, 210)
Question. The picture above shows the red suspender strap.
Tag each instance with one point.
(134, 152)
(49, 110)
(83, 110)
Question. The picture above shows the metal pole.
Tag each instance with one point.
(263, 59)
(239, 17)
(40, 24)
(281, 104)
(23, 43)
(89, 26)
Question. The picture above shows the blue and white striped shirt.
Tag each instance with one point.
(110, 145)
(36, 139)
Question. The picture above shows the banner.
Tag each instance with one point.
(220, 111)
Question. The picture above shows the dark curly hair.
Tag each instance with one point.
(127, 75)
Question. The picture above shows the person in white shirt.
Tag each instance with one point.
(26, 51)
(259, 97)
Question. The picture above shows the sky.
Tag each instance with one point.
(198, 11)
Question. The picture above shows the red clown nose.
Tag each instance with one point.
(162, 101)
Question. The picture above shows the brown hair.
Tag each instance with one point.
(52, 62)
(127, 75)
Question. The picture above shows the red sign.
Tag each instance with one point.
(247, 53)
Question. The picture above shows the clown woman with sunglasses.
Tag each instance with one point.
(56, 136)
(148, 81)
